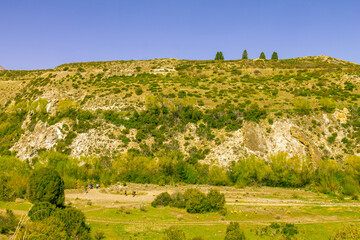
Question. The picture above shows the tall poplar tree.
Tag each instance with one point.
(219, 56)
(245, 55)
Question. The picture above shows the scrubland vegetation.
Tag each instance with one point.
(149, 107)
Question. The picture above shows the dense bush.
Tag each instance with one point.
(163, 199)
(46, 185)
(177, 200)
(216, 200)
(234, 232)
(193, 200)
(327, 105)
(328, 175)
(279, 231)
(348, 232)
(196, 201)
(50, 229)
(254, 113)
(174, 233)
(302, 107)
(138, 91)
(249, 171)
(40, 211)
(74, 221)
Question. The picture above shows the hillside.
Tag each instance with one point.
(210, 111)
(1, 68)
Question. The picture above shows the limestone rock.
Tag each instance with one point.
(43, 137)
(313, 151)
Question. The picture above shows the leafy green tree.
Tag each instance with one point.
(233, 232)
(14, 175)
(216, 200)
(262, 55)
(274, 56)
(46, 185)
(245, 55)
(218, 176)
(219, 56)
(328, 176)
(256, 172)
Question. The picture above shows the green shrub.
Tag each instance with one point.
(6, 192)
(217, 176)
(233, 232)
(350, 187)
(332, 138)
(84, 115)
(50, 228)
(138, 91)
(216, 200)
(249, 171)
(40, 211)
(348, 232)
(74, 221)
(163, 199)
(327, 176)
(302, 107)
(327, 105)
(181, 94)
(254, 113)
(8, 222)
(177, 200)
(99, 235)
(196, 201)
(279, 231)
(174, 233)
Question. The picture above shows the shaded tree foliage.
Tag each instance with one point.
(46, 185)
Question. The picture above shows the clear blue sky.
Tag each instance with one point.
(46, 33)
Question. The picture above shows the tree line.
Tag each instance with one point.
(220, 56)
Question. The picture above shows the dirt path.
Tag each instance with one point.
(107, 197)
(225, 222)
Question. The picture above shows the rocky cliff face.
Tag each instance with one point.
(260, 139)
(87, 109)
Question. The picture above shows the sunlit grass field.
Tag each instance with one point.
(316, 216)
